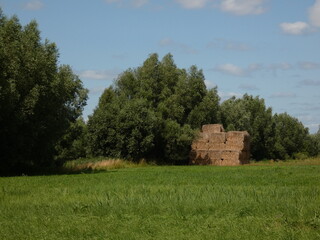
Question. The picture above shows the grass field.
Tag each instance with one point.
(268, 201)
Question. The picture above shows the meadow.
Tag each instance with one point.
(258, 201)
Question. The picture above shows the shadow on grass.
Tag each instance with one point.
(52, 171)
(80, 166)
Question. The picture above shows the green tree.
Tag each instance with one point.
(122, 128)
(250, 114)
(38, 98)
(153, 112)
(291, 136)
(72, 144)
(207, 111)
(313, 146)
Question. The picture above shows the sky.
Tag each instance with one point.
(265, 48)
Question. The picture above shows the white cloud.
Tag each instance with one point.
(210, 84)
(228, 45)
(231, 69)
(33, 5)
(309, 65)
(168, 42)
(227, 95)
(280, 66)
(296, 28)
(275, 67)
(248, 87)
(243, 7)
(234, 70)
(308, 82)
(98, 75)
(314, 14)
(283, 95)
(97, 90)
(128, 3)
(300, 28)
(139, 3)
(192, 4)
(313, 127)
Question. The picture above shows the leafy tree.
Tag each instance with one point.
(290, 137)
(72, 144)
(120, 128)
(207, 111)
(250, 114)
(38, 98)
(313, 146)
(152, 112)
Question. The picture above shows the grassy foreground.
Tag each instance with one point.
(189, 202)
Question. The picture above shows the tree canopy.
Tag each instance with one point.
(153, 112)
(39, 99)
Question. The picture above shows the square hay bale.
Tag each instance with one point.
(217, 137)
(230, 154)
(216, 162)
(200, 144)
(212, 128)
(230, 162)
(214, 155)
(236, 146)
(202, 158)
(203, 135)
(217, 146)
(237, 135)
(214, 146)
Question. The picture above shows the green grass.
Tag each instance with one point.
(186, 202)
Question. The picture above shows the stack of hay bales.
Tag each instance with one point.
(217, 147)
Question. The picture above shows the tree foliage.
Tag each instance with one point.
(152, 112)
(291, 137)
(38, 98)
(250, 114)
(279, 136)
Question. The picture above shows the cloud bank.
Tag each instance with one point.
(302, 28)
(33, 5)
(243, 7)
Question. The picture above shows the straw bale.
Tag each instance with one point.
(216, 155)
(214, 146)
(200, 144)
(236, 146)
(217, 146)
(202, 158)
(212, 128)
(218, 137)
(237, 136)
(204, 135)
(230, 154)
(230, 162)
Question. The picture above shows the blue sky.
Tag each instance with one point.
(269, 48)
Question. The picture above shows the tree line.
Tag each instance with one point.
(156, 110)
(152, 112)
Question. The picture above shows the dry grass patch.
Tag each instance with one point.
(299, 162)
(102, 165)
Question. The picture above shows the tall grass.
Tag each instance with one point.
(100, 164)
(188, 202)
